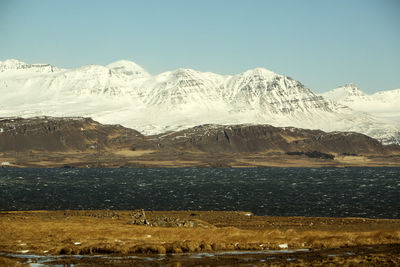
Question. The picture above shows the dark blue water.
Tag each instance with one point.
(338, 192)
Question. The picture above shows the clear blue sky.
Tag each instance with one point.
(321, 43)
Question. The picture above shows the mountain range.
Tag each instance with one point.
(124, 93)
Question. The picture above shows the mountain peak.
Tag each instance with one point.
(345, 93)
(185, 72)
(189, 74)
(128, 68)
(350, 85)
(15, 64)
(351, 89)
(261, 72)
(12, 64)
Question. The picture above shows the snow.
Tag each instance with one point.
(21, 67)
(128, 68)
(347, 92)
(124, 93)
(383, 105)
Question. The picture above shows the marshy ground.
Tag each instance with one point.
(196, 238)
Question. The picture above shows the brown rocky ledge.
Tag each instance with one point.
(336, 241)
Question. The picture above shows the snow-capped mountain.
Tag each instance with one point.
(174, 89)
(128, 68)
(268, 92)
(124, 93)
(347, 94)
(19, 66)
(384, 104)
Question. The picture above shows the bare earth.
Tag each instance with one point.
(166, 238)
(149, 158)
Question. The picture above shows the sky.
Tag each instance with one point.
(321, 43)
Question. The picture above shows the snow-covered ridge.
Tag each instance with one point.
(388, 96)
(128, 68)
(16, 65)
(346, 93)
(383, 104)
(125, 93)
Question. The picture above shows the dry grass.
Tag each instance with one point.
(293, 161)
(167, 163)
(50, 232)
(10, 262)
(132, 153)
(154, 158)
(285, 163)
(364, 161)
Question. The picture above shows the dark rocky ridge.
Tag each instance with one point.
(261, 138)
(85, 142)
(61, 134)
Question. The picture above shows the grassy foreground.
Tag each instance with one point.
(122, 233)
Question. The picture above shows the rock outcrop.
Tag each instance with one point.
(61, 134)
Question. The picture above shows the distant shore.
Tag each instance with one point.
(159, 159)
(48, 142)
(108, 232)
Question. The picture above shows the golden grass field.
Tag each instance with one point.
(150, 158)
(112, 232)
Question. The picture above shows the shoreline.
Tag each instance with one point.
(200, 167)
(60, 160)
(117, 158)
(378, 255)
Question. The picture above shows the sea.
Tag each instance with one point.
(326, 192)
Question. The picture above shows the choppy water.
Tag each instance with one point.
(338, 192)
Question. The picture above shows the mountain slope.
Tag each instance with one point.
(128, 68)
(182, 87)
(61, 134)
(124, 93)
(347, 94)
(260, 138)
(263, 90)
(384, 104)
(16, 66)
